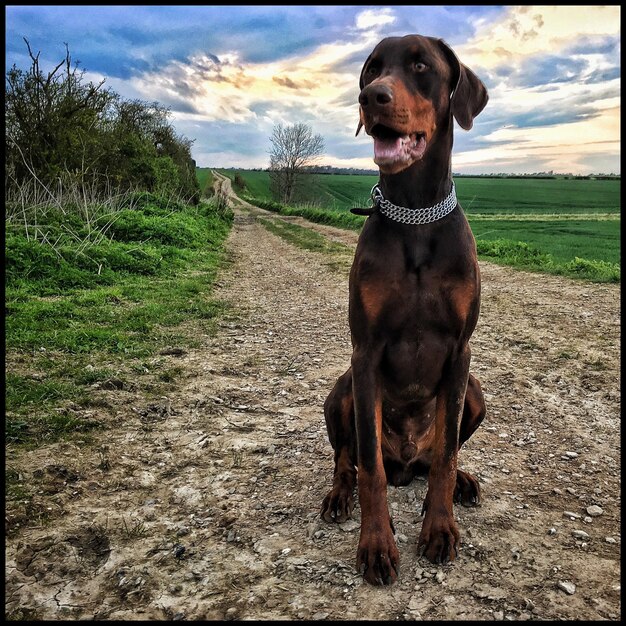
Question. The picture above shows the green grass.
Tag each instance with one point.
(533, 195)
(559, 226)
(339, 256)
(563, 239)
(477, 195)
(80, 315)
(205, 180)
(340, 219)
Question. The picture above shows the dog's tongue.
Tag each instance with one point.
(398, 149)
(389, 149)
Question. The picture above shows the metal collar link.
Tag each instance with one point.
(405, 215)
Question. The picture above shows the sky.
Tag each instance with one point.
(230, 73)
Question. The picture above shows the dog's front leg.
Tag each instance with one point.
(377, 555)
(439, 537)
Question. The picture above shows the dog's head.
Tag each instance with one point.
(410, 87)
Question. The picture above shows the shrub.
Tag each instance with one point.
(596, 270)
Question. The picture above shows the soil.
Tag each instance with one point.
(205, 504)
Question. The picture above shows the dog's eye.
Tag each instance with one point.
(372, 70)
(418, 66)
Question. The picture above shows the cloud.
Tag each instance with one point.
(221, 86)
(285, 81)
(374, 18)
(229, 75)
(556, 148)
(526, 31)
(553, 80)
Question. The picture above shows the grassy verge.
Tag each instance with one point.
(339, 256)
(522, 255)
(88, 315)
(330, 217)
(562, 247)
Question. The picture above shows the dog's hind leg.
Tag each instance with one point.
(467, 490)
(339, 413)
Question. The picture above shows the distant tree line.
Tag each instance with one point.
(329, 169)
(60, 128)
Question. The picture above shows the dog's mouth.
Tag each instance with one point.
(394, 148)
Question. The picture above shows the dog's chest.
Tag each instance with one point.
(398, 294)
(410, 287)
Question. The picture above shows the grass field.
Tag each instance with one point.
(569, 226)
(563, 239)
(477, 195)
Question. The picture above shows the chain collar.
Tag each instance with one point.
(405, 215)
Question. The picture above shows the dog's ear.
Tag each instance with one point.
(358, 128)
(468, 96)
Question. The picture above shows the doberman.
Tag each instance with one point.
(408, 401)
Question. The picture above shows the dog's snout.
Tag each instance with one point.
(375, 95)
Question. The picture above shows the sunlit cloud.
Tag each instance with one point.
(222, 86)
(530, 30)
(554, 88)
(373, 18)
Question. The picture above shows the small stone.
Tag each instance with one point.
(231, 613)
(571, 455)
(580, 534)
(610, 539)
(594, 510)
(557, 491)
(571, 514)
(316, 617)
(567, 587)
(587, 519)
(498, 616)
(349, 526)
(402, 538)
(552, 531)
(440, 576)
(175, 351)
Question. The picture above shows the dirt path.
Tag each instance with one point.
(205, 506)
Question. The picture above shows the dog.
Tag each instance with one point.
(408, 402)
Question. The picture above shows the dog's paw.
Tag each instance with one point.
(337, 505)
(467, 489)
(439, 538)
(378, 557)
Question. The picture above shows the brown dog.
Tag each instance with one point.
(408, 401)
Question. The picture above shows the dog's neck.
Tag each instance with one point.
(426, 182)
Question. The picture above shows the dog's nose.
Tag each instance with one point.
(375, 95)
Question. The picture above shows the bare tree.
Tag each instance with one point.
(293, 148)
